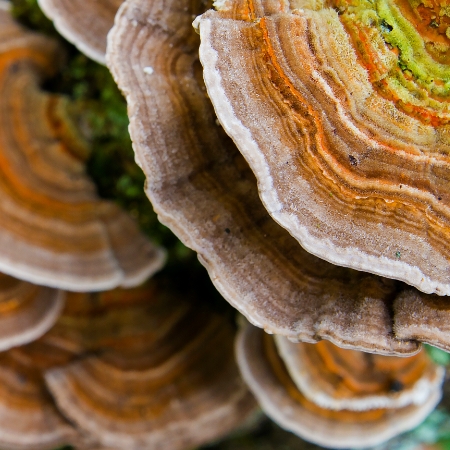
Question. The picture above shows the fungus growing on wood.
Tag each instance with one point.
(54, 229)
(202, 188)
(341, 110)
(337, 398)
(161, 372)
(27, 311)
(84, 23)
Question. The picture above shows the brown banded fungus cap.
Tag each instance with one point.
(85, 23)
(337, 398)
(202, 188)
(341, 110)
(27, 311)
(29, 419)
(161, 373)
(337, 379)
(54, 229)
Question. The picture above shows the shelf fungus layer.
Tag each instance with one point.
(202, 188)
(54, 229)
(342, 112)
(84, 23)
(27, 311)
(161, 373)
(29, 419)
(337, 398)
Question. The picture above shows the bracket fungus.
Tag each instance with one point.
(334, 397)
(54, 229)
(161, 372)
(137, 368)
(202, 188)
(29, 419)
(341, 110)
(84, 23)
(27, 311)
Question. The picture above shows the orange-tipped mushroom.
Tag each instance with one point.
(337, 398)
(84, 23)
(26, 311)
(163, 374)
(202, 188)
(54, 229)
(342, 110)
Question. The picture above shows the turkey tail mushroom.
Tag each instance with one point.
(343, 113)
(27, 311)
(162, 373)
(54, 229)
(84, 23)
(29, 419)
(124, 369)
(202, 188)
(337, 398)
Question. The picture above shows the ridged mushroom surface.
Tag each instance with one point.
(307, 414)
(341, 109)
(202, 188)
(336, 378)
(27, 311)
(422, 317)
(85, 23)
(29, 419)
(54, 229)
(162, 374)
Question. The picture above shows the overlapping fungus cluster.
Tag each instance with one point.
(306, 161)
(148, 367)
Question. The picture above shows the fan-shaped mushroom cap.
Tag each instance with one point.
(336, 378)
(54, 230)
(163, 375)
(343, 115)
(158, 368)
(85, 23)
(202, 188)
(131, 317)
(26, 311)
(268, 377)
(29, 419)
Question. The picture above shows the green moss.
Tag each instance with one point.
(438, 356)
(101, 111)
(27, 12)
